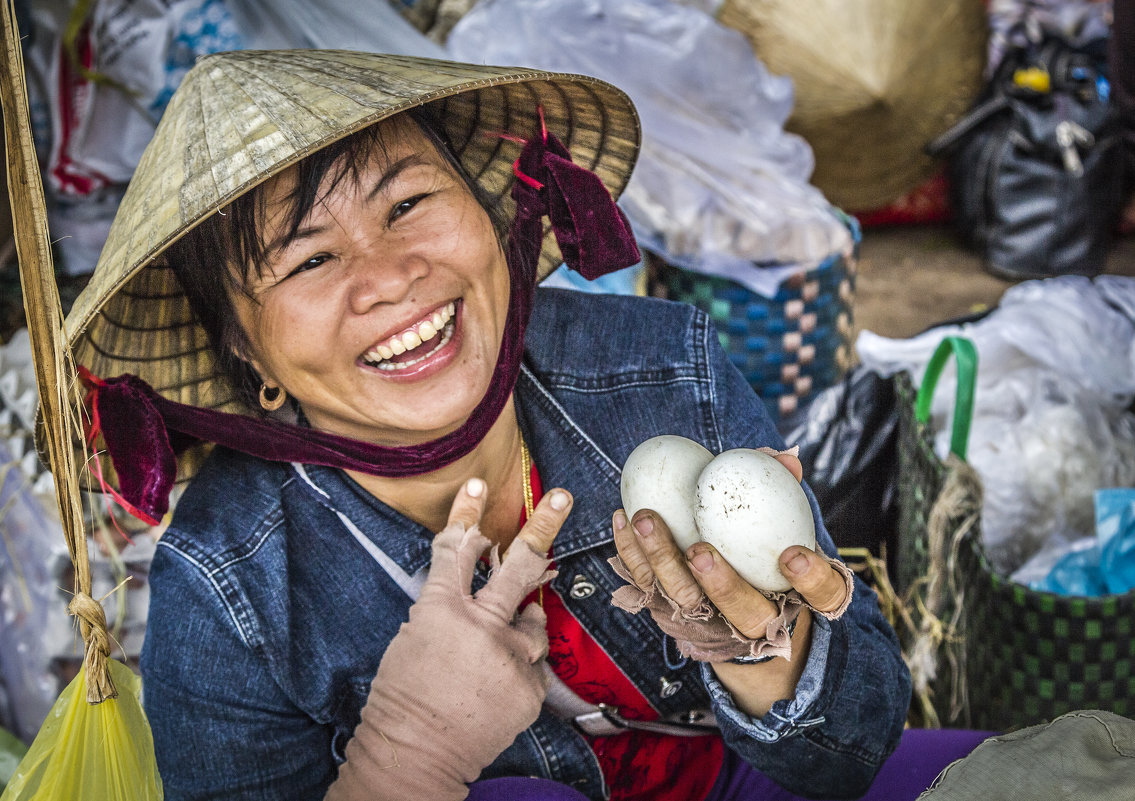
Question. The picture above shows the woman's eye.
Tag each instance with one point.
(405, 206)
(309, 264)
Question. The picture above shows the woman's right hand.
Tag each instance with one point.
(463, 677)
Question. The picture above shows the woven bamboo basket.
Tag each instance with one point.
(789, 347)
(1007, 656)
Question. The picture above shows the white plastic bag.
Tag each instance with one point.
(38, 638)
(1051, 423)
(92, 130)
(370, 25)
(1014, 23)
(719, 186)
(1098, 565)
(34, 624)
(138, 52)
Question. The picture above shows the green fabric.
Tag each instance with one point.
(1081, 755)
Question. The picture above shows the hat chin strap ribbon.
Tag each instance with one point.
(143, 430)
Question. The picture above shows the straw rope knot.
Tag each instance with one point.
(92, 625)
(955, 513)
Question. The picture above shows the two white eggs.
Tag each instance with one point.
(743, 502)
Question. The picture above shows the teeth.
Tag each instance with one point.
(424, 331)
(391, 367)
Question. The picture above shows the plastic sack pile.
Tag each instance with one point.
(719, 186)
(38, 642)
(1052, 419)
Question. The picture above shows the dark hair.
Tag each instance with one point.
(215, 259)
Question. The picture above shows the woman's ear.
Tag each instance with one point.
(254, 365)
(241, 351)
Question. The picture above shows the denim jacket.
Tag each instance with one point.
(277, 587)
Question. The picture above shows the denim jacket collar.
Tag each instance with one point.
(588, 473)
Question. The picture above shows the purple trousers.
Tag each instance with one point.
(920, 757)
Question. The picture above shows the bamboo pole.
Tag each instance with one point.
(51, 356)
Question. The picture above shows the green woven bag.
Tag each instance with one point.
(1006, 656)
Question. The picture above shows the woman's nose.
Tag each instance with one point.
(383, 278)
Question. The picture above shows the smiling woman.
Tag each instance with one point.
(373, 289)
(323, 276)
(304, 220)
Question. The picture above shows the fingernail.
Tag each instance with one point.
(474, 487)
(619, 520)
(702, 561)
(644, 526)
(558, 500)
(797, 565)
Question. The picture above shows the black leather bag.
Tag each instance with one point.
(1035, 168)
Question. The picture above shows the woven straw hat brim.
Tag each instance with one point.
(240, 118)
(875, 81)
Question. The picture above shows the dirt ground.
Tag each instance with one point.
(913, 277)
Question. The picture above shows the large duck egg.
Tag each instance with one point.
(661, 474)
(750, 508)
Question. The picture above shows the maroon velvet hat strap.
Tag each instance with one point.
(143, 430)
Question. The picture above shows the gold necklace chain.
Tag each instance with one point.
(529, 500)
(526, 477)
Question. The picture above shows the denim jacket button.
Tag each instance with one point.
(669, 687)
(581, 588)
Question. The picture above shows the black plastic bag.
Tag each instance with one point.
(1035, 168)
(848, 446)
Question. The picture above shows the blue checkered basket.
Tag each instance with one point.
(790, 346)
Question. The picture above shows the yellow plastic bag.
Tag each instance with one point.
(86, 750)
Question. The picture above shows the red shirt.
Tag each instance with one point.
(638, 765)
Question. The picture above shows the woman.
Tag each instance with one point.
(320, 238)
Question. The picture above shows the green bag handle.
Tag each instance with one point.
(966, 356)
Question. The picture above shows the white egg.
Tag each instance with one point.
(750, 508)
(661, 474)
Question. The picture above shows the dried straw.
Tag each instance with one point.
(941, 597)
(54, 367)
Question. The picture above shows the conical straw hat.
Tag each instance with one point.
(875, 81)
(239, 118)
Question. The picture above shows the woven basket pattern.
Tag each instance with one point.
(921, 475)
(1032, 656)
(788, 347)
(1028, 656)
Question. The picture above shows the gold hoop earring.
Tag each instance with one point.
(272, 398)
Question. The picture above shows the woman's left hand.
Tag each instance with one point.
(649, 552)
